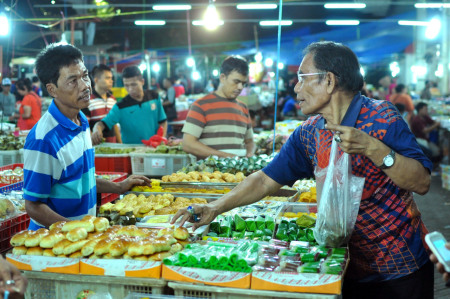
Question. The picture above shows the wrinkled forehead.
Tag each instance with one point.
(307, 64)
(74, 69)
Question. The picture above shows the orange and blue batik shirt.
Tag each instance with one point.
(388, 238)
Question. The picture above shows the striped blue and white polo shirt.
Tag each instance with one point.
(59, 166)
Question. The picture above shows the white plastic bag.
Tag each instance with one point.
(338, 197)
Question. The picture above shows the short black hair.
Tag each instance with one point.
(131, 71)
(234, 63)
(24, 84)
(399, 88)
(340, 60)
(52, 58)
(97, 71)
(35, 79)
(420, 105)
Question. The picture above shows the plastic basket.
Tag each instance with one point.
(13, 179)
(183, 290)
(44, 285)
(159, 164)
(108, 197)
(10, 227)
(10, 157)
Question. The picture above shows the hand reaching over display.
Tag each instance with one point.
(12, 282)
(197, 214)
(134, 180)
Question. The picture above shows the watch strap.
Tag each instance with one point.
(384, 166)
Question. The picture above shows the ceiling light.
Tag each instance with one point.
(156, 67)
(202, 23)
(190, 62)
(412, 23)
(258, 57)
(4, 25)
(342, 22)
(150, 22)
(432, 5)
(275, 23)
(268, 62)
(142, 67)
(211, 17)
(196, 76)
(172, 7)
(256, 6)
(215, 73)
(433, 29)
(280, 65)
(344, 5)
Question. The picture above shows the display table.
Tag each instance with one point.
(202, 291)
(55, 285)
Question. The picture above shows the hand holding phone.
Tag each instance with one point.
(437, 242)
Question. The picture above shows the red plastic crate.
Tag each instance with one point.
(11, 166)
(108, 197)
(10, 227)
(114, 164)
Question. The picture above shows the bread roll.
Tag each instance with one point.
(136, 248)
(88, 248)
(19, 238)
(48, 252)
(102, 247)
(94, 235)
(126, 256)
(108, 256)
(77, 234)
(119, 247)
(35, 251)
(62, 255)
(57, 225)
(89, 218)
(130, 230)
(20, 250)
(76, 255)
(176, 248)
(51, 239)
(75, 246)
(58, 249)
(141, 258)
(87, 225)
(34, 239)
(113, 229)
(94, 257)
(101, 224)
(157, 257)
(149, 247)
(181, 233)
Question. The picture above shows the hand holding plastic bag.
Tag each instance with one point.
(338, 196)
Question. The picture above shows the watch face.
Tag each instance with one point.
(389, 161)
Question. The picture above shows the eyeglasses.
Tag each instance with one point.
(300, 75)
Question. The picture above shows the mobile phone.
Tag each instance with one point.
(437, 242)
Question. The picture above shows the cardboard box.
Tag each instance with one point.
(297, 282)
(209, 277)
(45, 263)
(122, 268)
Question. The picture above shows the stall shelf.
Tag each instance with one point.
(44, 285)
(202, 291)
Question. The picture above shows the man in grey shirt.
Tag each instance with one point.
(7, 99)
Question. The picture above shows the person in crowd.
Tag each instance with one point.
(31, 107)
(102, 101)
(426, 91)
(36, 85)
(7, 99)
(169, 100)
(179, 89)
(139, 114)
(401, 96)
(219, 124)
(59, 171)
(440, 267)
(422, 125)
(388, 258)
(154, 85)
(290, 106)
(11, 280)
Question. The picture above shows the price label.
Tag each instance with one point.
(159, 163)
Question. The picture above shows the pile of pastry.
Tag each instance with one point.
(93, 237)
(207, 177)
(141, 206)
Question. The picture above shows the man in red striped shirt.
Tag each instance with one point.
(102, 101)
(219, 124)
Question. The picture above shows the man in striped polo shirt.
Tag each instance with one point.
(102, 101)
(219, 124)
(59, 172)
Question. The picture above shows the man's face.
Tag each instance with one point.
(232, 85)
(134, 87)
(311, 92)
(6, 88)
(73, 88)
(105, 81)
(423, 111)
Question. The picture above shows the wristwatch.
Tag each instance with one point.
(388, 161)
